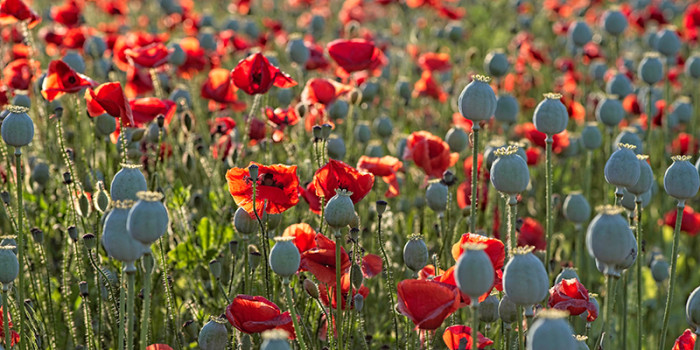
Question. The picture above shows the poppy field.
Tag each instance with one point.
(349, 174)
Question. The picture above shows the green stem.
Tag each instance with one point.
(42, 256)
(623, 313)
(131, 282)
(389, 279)
(20, 245)
(475, 323)
(338, 292)
(512, 215)
(640, 259)
(519, 320)
(607, 313)
(263, 243)
(89, 338)
(548, 203)
(587, 175)
(647, 134)
(292, 310)
(5, 319)
(146, 309)
(672, 280)
(122, 310)
(475, 168)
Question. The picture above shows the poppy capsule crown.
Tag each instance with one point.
(148, 218)
(692, 310)
(610, 111)
(681, 180)
(646, 177)
(9, 265)
(340, 211)
(525, 279)
(213, 335)
(477, 102)
(128, 181)
(551, 116)
(622, 168)
(610, 240)
(284, 257)
(576, 208)
(551, 331)
(509, 173)
(17, 127)
(474, 273)
(650, 69)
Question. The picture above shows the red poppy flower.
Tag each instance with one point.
(62, 79)
(68, 14)
(464, 194)
(147, 109)
(427, 86)
(534, 155)
(276, 190)
(684, 144)
(219, 89)
(255, 314)
(255, 75)
(426, 303)
(386, 167)
(317, 60)
(686, 341)
(531, 233)
(13, 11)
(495, 249)
(159, 347)
(460, 337)
(109, 98)
(430, 153)
(281, 118)
(690, 223)
(150, 56)
(17, 75)
(222, 125)
(196, 60)
(355, 55)
(133, 40)
(256, 130)
(691, 22)
(324, 291)
(527, 130)
(138, 82)
(323, 91)
(223, 147)
(3, 96)
(428, 272)
(14, 335)
(371, 265)
(308, 192)
(304, 236)
(320, 261)
(447, 278)
(570, 295)
(436, 62)
(338, 175)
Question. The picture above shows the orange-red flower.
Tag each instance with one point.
(572, 296)
(14, 336)
(531, 233)
(62, 79)
(386, 167)
(13, 11)
(159, 347)
(430, 153)
(527, 130)
(255, 75)
(220, 90)
(308, 192)
(447, 278)
(323, 91)
(276, 188)
(494, 248)
(196, 59)
(109, 98)
(426, 303)
(281, 117)
(338, 175)
(427, 86)
(355, 55)
(455, 335)
(690, 223)
(684, 144)
(17, 74)
(150, 56)
(686, 341)
(320, 261)
(437, 62)
(68, 14)
(255, 314)
(304, 236)
(324, 291)
(147, 109)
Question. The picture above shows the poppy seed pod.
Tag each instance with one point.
(551, 331)
(683, 109)
(507, 109)
(609, 111)
(244, 223)
(95, 46)
(127, 182)
(509, 173)
(667, 42)
(40, 173)
(692, 66)
(580, 33)
(646, 177)
(551, 116)
(659, 270)
(383, 126)
(415, 254)
(101, 199)
(576, 208)
(474, 273)
(620, 85)
(614, 22)
(17, 128)
(75, 61)
(148, 218)
(622, 168)
(369, 91)
(336, 148)
(681, 180)
(22, 100)
(358, 302)
(477, 101)
(284, 257)
(275, 339)
(338, 109)
(692, 309)
(9, 266)
(610, 240)
(340, 211)
(525, 279)
(629, 136)
(213, 335)
(597, 70)
(507, 310)
(115, 237)
(297, 51)
(488, 309)
(651, 70)
(566, 273)
(436, 196)
(457, 139)
(362, 132)
(496, 63)
(591, 137)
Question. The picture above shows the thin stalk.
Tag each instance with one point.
(512, 215)
(5, 319)
(292, 310)
(20, 246)
(168, 294)
(146, 309)
(475, 161)
(580, 239)
(263, 242)
(89, 337)
(475, 323)
(519, 320)
(587, 175)
(42, 256)
(647, 134)
(548, 203)
(607, 313)
(389, 279)
(640, 259)
(131, 282)
(623, 313)
(672, 280)
(122, 310)
(338, 309)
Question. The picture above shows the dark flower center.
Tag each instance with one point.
(72, 80)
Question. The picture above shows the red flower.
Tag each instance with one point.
(309, 194)
(447, 278)
(428, 272)
(320, 261)
(255, 75)
(561, 140)
(146, 109)
(196, 60)
(426, 303)
(68, 14)
(323, 91)
(138, 82)
(109, 98)
(460, 337)
(684, 144)
(531, 233)
(159, 347)
(686, 341)
(13, 11)
(324, 291)
(338, 175)
(255, 314)
(386, 167)
(437, 62)
(150, 56)
(219, 89)
(14, 335)
(690, 223)
(62, 79)
(570, 295)
(371, 265)
(464, 194)
(426, 86)
(495, 249)
(355, 55)
(691, 22)
(317, 60)
(276, 190)
(17, 74)
(304, 236)
(430, 153)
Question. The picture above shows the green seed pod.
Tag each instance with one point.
(692, 309)
(591, 138)
(369, 91)
(336, 148)
(683, 109)
(576, 208)
(579, 33)
(83, 205)
(254, 257)
(17, 127)
(284, 96)
(384, 127)
(191, 329)
(244, 223)
(525, 279)
(509, 173)
(507, 310)
(609, 111)
(215, 268)
(275, 339)
(271, 220)
(436, 196)
(284, 257)
(182, 98)
(551, 116)
(507, 109)
(75, 61)
(646, 177)
(457, 139)
(629, 200)
(213, 335)
(340, 210)
(692, 66)
(297, 50)
(403, 89)
(614, 22)
(610, 240)
(101, 199)
(496, 63)
(362, 132)
(659, 270)
(651, 70)
(597, 70)
(629, 136)
(115, 237)
(622, 168)
(9, 266)
(551, 331)
(474, 273)
(178, 55)
(566, 273)
(40, 173)
(338, 109)
(415, 254)
(477, 102)
(148, 219)
(22, 100)
(619, 85)
(488, 309)
(127, 182)
(681, 180)
(358, 301)
(667, 42)
(356, 277)
(95, 46)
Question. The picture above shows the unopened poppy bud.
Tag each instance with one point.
(300, 109)
(38, 235)
(449, 178)
(244, 223)
(340, 210)
(436, 196)
(5, 197)
(213, 335)
(215, 268)
(40, 173)
(318, 133)
(89, 240)
(507, 310)
(403, 89)
(355, 96)
(233, 247)
(127, 182)
(326, 131)
(84, 204)
(336, 148)
(551, 331)
(101, 199)
(496, 63)
(381, 207)
(67, 179)
(525, 279)
(83, 288)
(253, 257)
(457, 139)
(474, 273)
(356, 277)
(681, 180)
(17, 127)
(284, 257)
(191, 329)
(73, 233)
(477, 102)
(253, 169)
(9, 265)
(311, 288)
(488, 309)
(659, 270)
(415, 254)
(358, 302)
